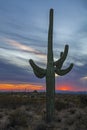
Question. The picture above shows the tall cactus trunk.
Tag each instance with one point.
(50, 74)
(50, 94)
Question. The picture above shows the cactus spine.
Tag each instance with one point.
(49, 72)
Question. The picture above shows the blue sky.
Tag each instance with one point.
(23, 36)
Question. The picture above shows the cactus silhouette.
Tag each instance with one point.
(49, 72)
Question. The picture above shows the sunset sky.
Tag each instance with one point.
(23, 36)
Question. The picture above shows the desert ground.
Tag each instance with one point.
(26, 111)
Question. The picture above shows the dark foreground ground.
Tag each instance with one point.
(26, 111)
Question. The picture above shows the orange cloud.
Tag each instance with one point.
(13, 87)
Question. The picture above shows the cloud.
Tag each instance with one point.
(19, 45)
(74, 78)
(10, 73)
(83, 81)
(84, 78)
(14, 57)
(20, 54)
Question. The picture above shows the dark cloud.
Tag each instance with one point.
(12, 73)
(21, 37)
(74, 77)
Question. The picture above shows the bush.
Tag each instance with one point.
(59, 105)
(18, 118)
(83, 100)
(41, 126)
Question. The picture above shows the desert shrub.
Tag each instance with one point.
(13, 100)
(41, 126)
(70, 121)
(1, 115)
(4, 122)
(59, 105)
(65, 128)
(72, 111)
(83, 100)
(18, 118)
(81, 123)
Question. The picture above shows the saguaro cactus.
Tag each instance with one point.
(49, 72)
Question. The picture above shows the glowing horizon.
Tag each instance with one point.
(20, 87)
(38, 87)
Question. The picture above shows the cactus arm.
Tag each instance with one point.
(59, 65)
(64, 71)
(63, 56)
(39, 72)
